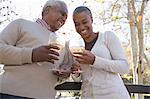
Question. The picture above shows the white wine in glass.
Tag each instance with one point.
(57, 41)
(74, 49)
(77, 45)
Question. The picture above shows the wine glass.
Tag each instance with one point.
(57, 41)
(77, 45)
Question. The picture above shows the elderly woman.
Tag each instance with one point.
(24, 43)
(101, 62)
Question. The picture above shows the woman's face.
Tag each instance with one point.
(83, 24)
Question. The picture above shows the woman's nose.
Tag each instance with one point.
(82, 28)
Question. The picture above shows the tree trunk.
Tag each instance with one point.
(139, 24)
(137, 43)
(134, 45)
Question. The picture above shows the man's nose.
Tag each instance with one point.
(63, 19)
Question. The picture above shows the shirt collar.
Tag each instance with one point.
(43, 23)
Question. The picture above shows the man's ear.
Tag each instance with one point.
(46, 11)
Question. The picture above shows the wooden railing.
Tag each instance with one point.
(140, 89)
(69, 86)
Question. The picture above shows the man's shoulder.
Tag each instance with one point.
(21, 20)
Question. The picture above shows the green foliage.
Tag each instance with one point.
(147, 26)
(132, 97)
(127, 78)
(114, 18)
(7, 11)
(146, 75)
(100, 1)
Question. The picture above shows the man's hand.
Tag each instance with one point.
(75, 68)
(45, 54)
(62, 73)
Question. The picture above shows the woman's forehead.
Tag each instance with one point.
(82, 14)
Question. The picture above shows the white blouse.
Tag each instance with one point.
(102, 80)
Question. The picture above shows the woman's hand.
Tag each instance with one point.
(85, 57)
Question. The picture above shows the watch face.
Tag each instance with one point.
(1, 69)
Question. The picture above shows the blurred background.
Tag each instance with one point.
(119, 16)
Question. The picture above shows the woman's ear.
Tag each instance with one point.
(92, 19)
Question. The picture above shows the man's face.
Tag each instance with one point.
(56, 17)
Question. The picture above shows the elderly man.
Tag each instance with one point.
(22, 45)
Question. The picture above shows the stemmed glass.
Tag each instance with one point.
(57, 41)
(77, 45)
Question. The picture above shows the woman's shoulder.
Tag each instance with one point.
(108, 35)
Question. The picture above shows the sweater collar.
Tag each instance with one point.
(43, 23)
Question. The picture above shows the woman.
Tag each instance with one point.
(101, 62)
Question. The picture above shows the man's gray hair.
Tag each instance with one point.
(56, 3)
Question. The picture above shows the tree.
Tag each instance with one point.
(7, 12)
(137, 38)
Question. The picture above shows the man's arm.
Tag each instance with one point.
(10, 54)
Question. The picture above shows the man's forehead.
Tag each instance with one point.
(62, 8)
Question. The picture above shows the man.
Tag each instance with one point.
(22, 45)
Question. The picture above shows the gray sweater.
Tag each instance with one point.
(22, 77)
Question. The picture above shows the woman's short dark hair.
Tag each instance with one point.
(83, 9)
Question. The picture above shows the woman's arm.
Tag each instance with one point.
(118, 63)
